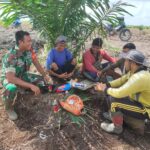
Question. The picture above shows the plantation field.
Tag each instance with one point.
(36, 116)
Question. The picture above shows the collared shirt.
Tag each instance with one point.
(136, 86)
(17, 62)
(89, 60)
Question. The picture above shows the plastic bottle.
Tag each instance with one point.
(65, 87)
(78, 85)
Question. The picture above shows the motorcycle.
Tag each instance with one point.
(121, 30)
(16, 23)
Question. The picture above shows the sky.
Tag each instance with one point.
(141, 12)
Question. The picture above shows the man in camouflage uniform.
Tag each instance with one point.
(15, 67)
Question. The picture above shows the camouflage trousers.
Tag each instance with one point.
(10, 90)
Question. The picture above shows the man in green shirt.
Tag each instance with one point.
(15, 66)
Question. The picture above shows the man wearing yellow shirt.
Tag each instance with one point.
(130, 94)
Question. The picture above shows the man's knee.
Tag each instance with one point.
(9, 91)
(91, 76)
(54, 66)
(115, 106)
(11, 87)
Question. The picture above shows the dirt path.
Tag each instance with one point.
(140, 38)
(34, 118)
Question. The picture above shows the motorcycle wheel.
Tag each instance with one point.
(125, 35)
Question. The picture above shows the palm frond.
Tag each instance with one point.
(54, 17)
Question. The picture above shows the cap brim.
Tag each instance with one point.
(146, 63)
(62, 41)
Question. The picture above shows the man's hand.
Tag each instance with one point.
(99, 73)
(54, 66)
(70, 74)
(100, 87)
(63, 76)
(35, 89)
(48, 79)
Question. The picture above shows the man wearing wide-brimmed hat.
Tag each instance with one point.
(129, 96)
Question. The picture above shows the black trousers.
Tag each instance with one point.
(127, 106)
(68, 67)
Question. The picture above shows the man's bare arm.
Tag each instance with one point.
(17, 81)
(39, 68)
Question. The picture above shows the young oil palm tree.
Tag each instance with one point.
(64, 17)
(68, 17)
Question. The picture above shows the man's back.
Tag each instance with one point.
(144, 87)
(136, 86)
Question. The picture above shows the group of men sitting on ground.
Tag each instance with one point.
(127, 97)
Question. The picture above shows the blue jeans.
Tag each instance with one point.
(92, 75)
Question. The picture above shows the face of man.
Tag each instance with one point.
(26, 43)
(124, 53)
(95, 49)
(131, 66)
(127, 65)
(125, 50)
(61, 46)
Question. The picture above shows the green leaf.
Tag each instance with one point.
(54, 17)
